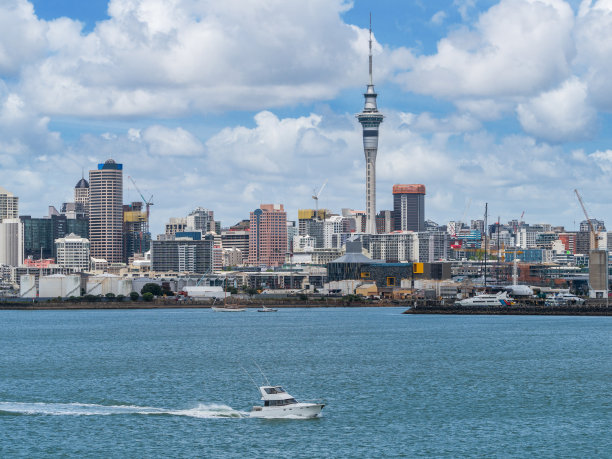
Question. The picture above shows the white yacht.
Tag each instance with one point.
(487, 299)
(267, 309)
(279, 404)
(227, 309)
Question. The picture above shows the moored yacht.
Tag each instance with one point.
(487, 299)
(279, 404)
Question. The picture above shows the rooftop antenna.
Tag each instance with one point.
(370, 56)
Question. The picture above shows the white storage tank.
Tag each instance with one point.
(51, 286)
(72, 286)
(124, 287)
(27, 286)
(205, 292)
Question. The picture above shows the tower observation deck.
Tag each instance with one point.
(370, 118)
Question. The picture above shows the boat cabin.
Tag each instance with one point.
(276, 396)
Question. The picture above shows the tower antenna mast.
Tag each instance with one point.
(370, 55)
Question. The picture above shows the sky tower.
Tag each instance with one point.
(370, 118)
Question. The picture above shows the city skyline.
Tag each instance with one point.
(518, 120)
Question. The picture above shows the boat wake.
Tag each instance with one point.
(202, 411)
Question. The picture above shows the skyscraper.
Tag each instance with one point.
(370, 118)
(409, 207)
(81, 196)
(268, 238)
(9, 204)
(106, 211)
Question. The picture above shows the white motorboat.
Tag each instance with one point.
(563, 299)
(227, 309)
(279, 404)
(487, 299)
(267, 309)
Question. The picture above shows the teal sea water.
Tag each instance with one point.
(169, 383)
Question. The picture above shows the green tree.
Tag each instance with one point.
(152, 288)
(147, 296)
(120, 297)
(134, 296)
(110, 295)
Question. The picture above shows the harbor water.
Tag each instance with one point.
(170, 383)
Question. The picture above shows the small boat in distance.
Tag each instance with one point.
(267, 309)
(279, 404)
(227, 309)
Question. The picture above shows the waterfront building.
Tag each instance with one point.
(409, 207)
(175, 225)
(401, 246)
(9, 204)
(370, 119)
(72, 252)
(11, 242)
(239, 240)
(292, 231)
(201, 219)
(136, 235)
(384, 221)
(183, 255)
(81, 196)
(334, 225)
(433, 246)
(232, 257)
(599, 225)
(39, 234)
(106, 211)
(268, 235)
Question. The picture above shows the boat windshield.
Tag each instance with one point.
(289, 401)
(274, 390)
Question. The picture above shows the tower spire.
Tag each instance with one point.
(370, 119)
(370, 55)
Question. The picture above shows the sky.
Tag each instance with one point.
(227, 105)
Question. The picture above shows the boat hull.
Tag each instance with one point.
(228, 309)
(298, 410)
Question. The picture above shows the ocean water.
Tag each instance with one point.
(170, 383)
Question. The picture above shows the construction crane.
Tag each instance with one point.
(593, 233)
(315, 196)
(148, 202)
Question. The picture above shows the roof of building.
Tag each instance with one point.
(82, 183)
(409, 189)
(354, 258)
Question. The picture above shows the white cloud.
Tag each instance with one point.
(164, 58)
(22, 38)
(516, 48)
(559, 115)
(438, 18)
(163, 141)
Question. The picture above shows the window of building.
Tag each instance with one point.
(390, 281)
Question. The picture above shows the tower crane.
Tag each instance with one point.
(148, 202)
(315, 196)
(593, 233)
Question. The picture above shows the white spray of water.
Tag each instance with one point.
(202, 411)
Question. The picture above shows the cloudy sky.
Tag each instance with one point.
(230, 104)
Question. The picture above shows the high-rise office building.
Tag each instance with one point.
(136, 236)
(72, 252)
(9, 204)
(11, 242)
(106, 211)
(81, 196)
(370, 119)
(268, 235)
(409, 207)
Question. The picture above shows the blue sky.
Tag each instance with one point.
(227, 105)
